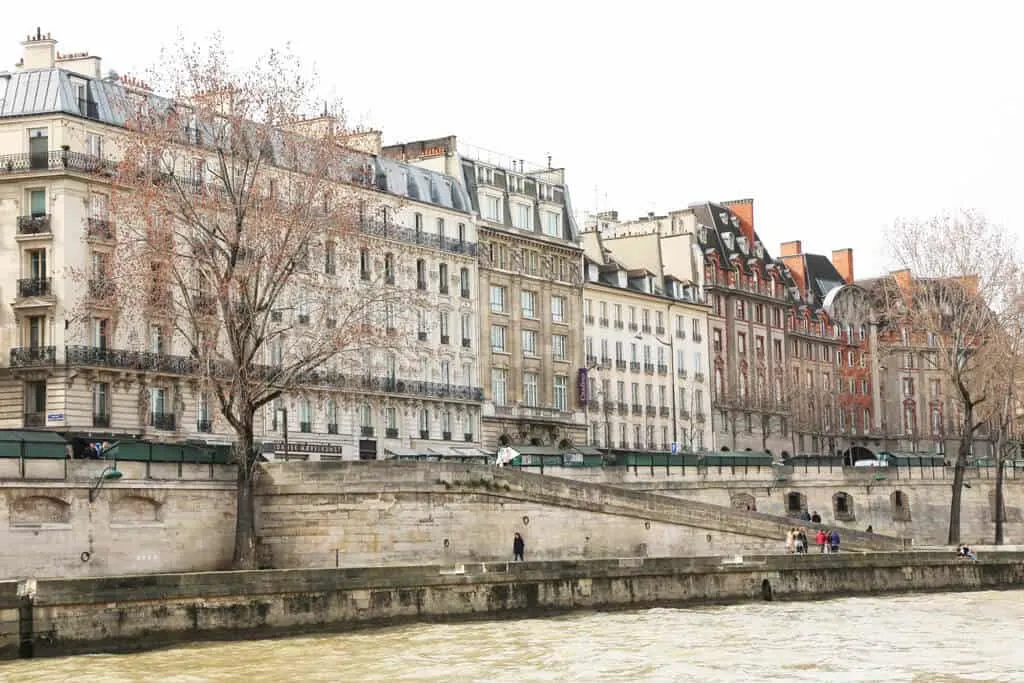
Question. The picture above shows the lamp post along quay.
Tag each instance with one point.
(109, 473)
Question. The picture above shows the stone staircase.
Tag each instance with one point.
(309, 480)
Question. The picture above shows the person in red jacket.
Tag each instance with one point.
(820, 538)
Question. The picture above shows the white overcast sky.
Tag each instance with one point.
(835, 117)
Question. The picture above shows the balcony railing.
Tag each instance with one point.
(34, 286)
(204, 426)
(664, 411)
(659, 329)
(29, 356)
(533, 411)
(424, 433)
(634, 365)
(366, 431)
(410, 236)
(468, 436)
(183, 365)
(36, 419)
(603, 322)
(164, 421)
(637, 409)
(101, 288)
(101, 420)
(591, 360)
(589, 319)
(651, 411)
(662, 369)
(34, 225)
(649, 368)
(57, 160)
(391, 433)
(305, 427)
(620, 365)
(332, 429)
(622, 407)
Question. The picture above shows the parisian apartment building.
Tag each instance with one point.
(531, 288)
(70, 365)
(665, 332)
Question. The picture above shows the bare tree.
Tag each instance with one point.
(955, 296)
(241, 233)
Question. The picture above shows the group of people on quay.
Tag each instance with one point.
(798, 541)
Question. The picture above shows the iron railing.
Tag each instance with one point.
(163, 421)
(34, 225)
(55, 160)
(411, 236)
(28, 356)
(34, 286)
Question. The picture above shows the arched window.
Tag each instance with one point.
(899, 505)
(796, 503)
(842, 507)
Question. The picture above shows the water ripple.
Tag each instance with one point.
(919, 639)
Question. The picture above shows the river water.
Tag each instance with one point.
(925, 638)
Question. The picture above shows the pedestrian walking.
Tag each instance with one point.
(518, 547)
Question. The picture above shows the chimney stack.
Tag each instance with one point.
(39, 51)
(743, 209)
(794, 248)
(842, 260)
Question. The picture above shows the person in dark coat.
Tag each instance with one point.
(518, 546)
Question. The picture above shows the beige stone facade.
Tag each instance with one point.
(644, 338)
(72, 364)
(530, 281)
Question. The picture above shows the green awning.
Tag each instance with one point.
(16, 443)
(145, 451)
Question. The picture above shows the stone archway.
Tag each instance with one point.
(855, 453)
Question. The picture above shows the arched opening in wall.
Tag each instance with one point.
(131, 509)
(744, 501)
(899, 505)
(842, 507)
(725, 448)
(796, 503)
(39, 512)
(854, 453)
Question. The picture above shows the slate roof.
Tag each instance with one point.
(32, 92)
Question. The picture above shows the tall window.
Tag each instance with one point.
(561, 395)
(464, 282)
(559, 344)
(364, 263)
(528, 304)
(498, 338)
(529, 342)
(558, 309)
(530, 396)
(552, 224)
(100, 400)
(305, 416)
(100, 333)
(499, 385)
(442, 278)
(492, 208)
(497, 299)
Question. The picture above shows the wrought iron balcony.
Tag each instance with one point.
(646, 329)
(99, 228)
(622, 407)
(34, 225)
(34, 286)
(305, 427)
(424, 433)
(651, 411)
(637, 409)
(445, 436)
(57, 160)
(634, 365)
(164, 421)
(618, 324)
(36, 419)
(468, 436)
(664, 411)
(649, 368)
(101, 288)
(30, 356)
(101, 420)
(602, 322)
(410, 236)
(130, 360)
(591, 360)
(659, 329)
(662, 369)
(204, 426)
(366, 431)
(589, 319)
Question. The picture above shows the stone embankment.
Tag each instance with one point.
(62, 616)
(365, 513)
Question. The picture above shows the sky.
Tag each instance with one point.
(836, 118)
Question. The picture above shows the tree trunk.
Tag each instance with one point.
(959, 470)
(245, 517)
(1000, 464)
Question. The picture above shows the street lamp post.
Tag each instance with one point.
(109, 473)
(284, 429)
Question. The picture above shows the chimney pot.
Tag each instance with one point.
(842, 260)
(794, 248)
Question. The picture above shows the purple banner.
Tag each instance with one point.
(582, 385)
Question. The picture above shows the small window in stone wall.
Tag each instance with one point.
(842, 507)
(899, 505)
(744, 501)
(795, 503)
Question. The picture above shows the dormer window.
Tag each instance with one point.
(742, 241)
(728, 238)
(735, 222)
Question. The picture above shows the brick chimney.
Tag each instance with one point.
(842, 260)
(903, 279)
(744, 210)
(39, 51)
(794, 248)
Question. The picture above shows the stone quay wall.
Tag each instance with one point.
(160, 517)
(57, 617)
(373, 513)
(909, 502)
